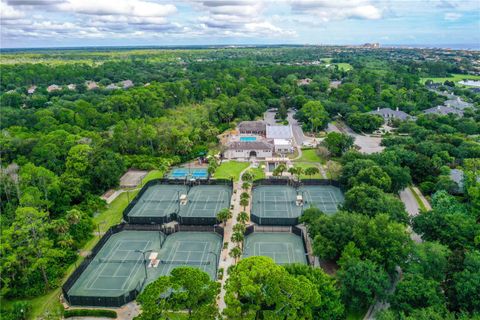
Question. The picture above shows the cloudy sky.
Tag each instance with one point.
(47, 23)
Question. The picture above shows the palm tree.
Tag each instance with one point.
(242, 217)
(245, 186)
(238, 237)
(236, 253)
(311, 171)
(296, 171)
(244, 203)
(244, 195)
(280, 169)
(239, 227)
(223, 215)
(247, 176)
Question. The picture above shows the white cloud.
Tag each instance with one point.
(237, 18)
(136, 8)
(328, 10)
(9, 13)
(452, 16)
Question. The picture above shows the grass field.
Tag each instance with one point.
(305, 165)
(258, 173)
(230, 169)
(455, 78)
(344, 66)
(310, 155)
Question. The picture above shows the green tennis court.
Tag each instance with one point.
(119, 265)
(198, 249)
(275, 202)
(326, 198)
(158, 201)
(206, 201)
(282, 247)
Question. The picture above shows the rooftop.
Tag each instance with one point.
(443, 110)
(389, 113)
(251, 126)
(250, 145)
(279, 132)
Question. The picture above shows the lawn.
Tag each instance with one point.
(305, 165)
(230, 169)
(455, 78)
(310, 155)
(344, 66)
(258, 173)
(48, 305)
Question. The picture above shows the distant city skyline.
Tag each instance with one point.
(73, 23)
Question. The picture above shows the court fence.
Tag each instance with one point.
(174, 215)
(118, 301)
(299, 231)
(286, 221)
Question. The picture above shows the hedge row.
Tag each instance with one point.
(90, 313)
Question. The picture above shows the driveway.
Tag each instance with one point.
(367, 144)
(269, 117)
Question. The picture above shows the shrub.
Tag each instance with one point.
(90, 313)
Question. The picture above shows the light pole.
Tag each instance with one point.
(216, 262)
(144, 261)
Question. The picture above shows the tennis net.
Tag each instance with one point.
(188, 262)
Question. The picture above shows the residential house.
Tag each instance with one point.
(127, 84)
(91, 85)
(389, 114)
(457, 103)
(53, 87)
(443, 110)
(304, 82)
(32, 89)
(112, 86)
(72, 86)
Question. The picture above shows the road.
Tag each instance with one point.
(269, 117)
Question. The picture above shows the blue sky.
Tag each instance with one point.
(47, 23)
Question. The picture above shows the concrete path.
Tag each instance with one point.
(225, 260)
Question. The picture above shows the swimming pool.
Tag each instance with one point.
(248, 139)
(193, 173)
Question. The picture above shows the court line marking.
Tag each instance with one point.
(99, 272)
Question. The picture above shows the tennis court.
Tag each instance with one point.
(282, 247)
(275, 202)
(119, 268)
(198, 249)
(326, 198)
(158, 201)
(206, 201)
(190, 173)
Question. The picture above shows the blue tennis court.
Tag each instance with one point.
(191, 173)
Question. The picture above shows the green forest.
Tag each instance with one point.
(62, 149)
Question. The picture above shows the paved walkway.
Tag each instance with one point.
(225, 260)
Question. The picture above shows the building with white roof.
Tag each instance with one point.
(283, 145)
(280, 132)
